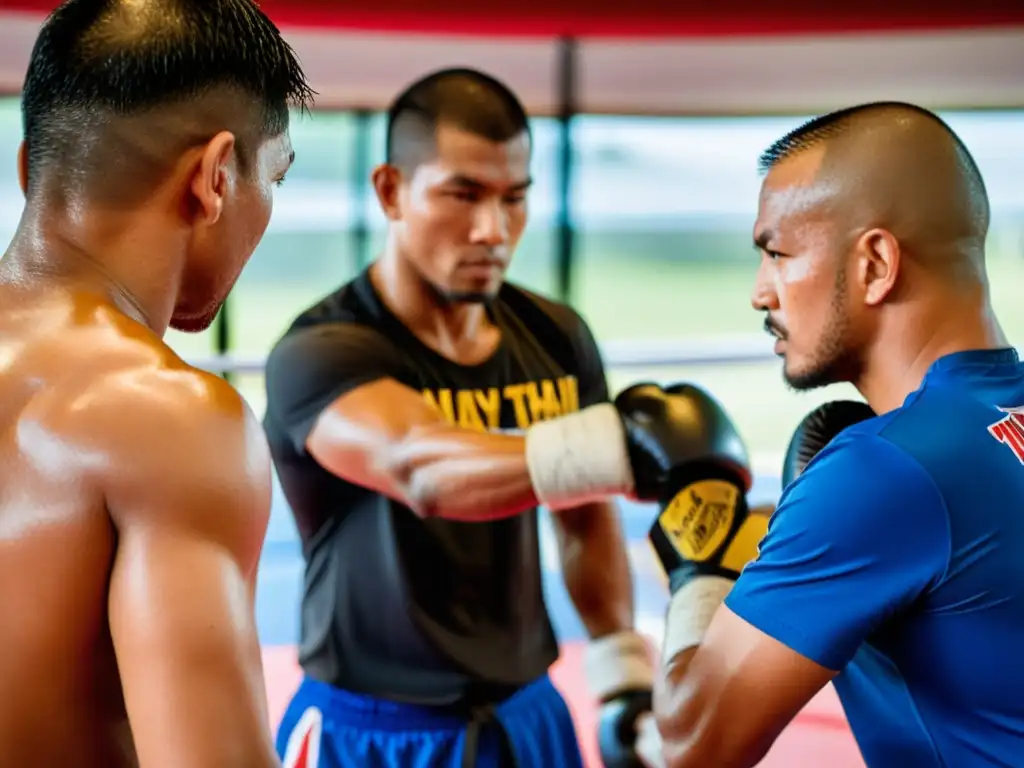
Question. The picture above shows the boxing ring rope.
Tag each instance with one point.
(621, 354)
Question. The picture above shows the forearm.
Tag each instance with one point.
(458, 474)
(692, 701)
(595, 568)
(677, 711)
(693, 730)
(685, 716)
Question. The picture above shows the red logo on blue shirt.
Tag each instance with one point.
(1009, 431)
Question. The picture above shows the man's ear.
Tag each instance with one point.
(387, 181)
(214, 177)
(878, 264)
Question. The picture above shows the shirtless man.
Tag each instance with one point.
(136, 489)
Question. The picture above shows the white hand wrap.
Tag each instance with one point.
(649, 746)
(579, 458)
(690, 612)
(617, 663)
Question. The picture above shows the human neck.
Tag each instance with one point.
(461, 331)
(130, 258)
(921, 334)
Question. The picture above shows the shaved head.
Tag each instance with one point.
(900, 168)
(867, 217)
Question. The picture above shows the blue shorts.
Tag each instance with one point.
(326, 727)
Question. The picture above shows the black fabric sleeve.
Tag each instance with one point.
(590, 375)
(311, 367)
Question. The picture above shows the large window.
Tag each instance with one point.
(665, 209)
(996, 140)
(11, 200)
(309, 249)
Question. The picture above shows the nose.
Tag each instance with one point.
(490, 224)
(764, 298)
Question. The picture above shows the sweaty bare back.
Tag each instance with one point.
(92, 549)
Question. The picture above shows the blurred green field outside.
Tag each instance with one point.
(662, 207)
(624, 293)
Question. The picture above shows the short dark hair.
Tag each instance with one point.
(464, 98)
(836, 124)
(99, 60)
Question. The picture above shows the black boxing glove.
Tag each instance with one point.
(698, 472)
(676, 433)
(687, 455)
(650, 439)
(617, 729)
(817, 430)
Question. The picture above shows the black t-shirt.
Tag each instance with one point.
(431, 611)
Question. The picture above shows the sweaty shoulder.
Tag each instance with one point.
(148, 424)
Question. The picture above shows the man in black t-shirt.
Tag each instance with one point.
(417, 417)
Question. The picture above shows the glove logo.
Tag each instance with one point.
(699, 518)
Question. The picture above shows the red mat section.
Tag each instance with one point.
(819, 736)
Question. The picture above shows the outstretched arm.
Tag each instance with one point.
(386, 436)
(338, 391)
(189, 496)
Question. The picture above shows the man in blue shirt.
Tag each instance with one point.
(893, 564)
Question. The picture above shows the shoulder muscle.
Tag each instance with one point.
(179, 447)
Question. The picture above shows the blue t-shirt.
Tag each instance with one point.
(897, 558)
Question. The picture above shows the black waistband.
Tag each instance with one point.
(482, 717)
(473, 697)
